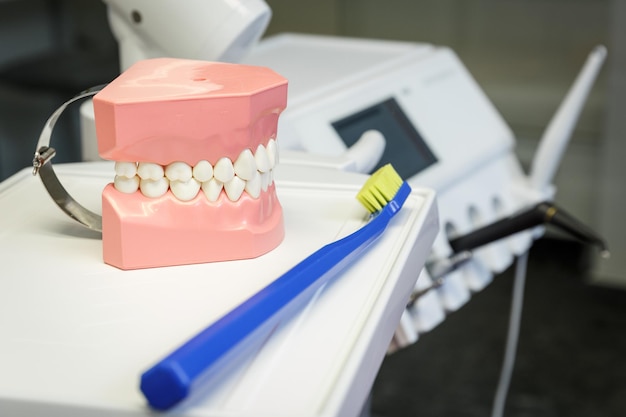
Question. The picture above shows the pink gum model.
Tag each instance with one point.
(165, 110)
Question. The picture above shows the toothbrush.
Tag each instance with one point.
(173, 378)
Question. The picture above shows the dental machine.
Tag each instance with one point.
(360, 103)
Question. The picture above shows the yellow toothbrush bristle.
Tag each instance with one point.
(380, 188)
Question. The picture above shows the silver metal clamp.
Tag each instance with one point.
(42, 165)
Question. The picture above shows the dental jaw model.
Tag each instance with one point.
(194, 145)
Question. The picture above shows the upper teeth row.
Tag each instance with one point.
(249, 172)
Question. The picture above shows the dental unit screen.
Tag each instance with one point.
(405, 149)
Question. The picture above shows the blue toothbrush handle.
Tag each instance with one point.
(172, 379)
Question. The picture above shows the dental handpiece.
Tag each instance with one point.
(542, 213)
(438, 270)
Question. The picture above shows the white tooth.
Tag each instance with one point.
(203, 171)
(212, 189)
(185, 190)
(126, 185)
(265, 180)
(262, 159)
(154, 188)
(253, 186)
(178, 171)
(245, 165)
(224, 170)
(126, 169)
(234, 188)
(272, 152)
(149, 171)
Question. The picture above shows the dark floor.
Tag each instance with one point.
(571, 357)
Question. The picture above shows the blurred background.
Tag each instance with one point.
(525, 55)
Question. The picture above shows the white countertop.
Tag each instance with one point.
(75, 333)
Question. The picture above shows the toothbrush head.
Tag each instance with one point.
(380, 189)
